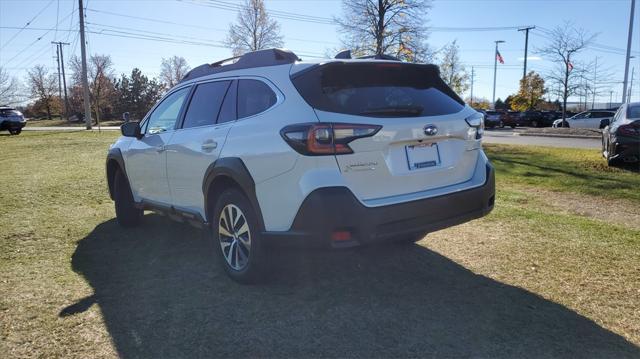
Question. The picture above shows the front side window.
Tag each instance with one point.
(205, 104)
(254, 97)
(164, 117)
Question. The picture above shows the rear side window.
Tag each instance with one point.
(254, 97)
(205, 104)
(633, 111)
(378, 90)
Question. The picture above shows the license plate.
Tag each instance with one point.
(422, 155)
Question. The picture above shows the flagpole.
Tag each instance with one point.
(495, 71)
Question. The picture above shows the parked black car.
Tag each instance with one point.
(11, 120)
(493, 119)
(621, 137)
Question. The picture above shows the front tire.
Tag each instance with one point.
(236, 234)
(127, 214)
(15, 132)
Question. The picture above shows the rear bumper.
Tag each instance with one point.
(627, 148)
(331, 209)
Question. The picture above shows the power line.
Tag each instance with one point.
(27, 24)
(33, 43)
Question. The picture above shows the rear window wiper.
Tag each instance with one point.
(394, 110)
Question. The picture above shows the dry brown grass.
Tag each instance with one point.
(536, 278)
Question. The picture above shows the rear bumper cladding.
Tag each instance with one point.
(331, 209)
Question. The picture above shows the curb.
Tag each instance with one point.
(558, 135)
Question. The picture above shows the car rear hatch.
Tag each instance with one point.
(423, 140)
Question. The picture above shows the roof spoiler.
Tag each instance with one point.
(346, 54)
(260, 58)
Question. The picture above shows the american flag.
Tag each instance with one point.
(569, 66)
(499, 57)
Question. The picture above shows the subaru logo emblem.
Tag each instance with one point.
(430, 130)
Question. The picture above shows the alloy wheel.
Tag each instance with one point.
(234, 236)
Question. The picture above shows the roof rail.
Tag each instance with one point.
(346, 54)
(268, 57)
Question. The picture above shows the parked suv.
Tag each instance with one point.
(337, 153)
(11, 120)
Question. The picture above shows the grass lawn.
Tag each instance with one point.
(554, 271)
(61, 122)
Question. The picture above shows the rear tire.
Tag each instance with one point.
(127, 214)
(15, 132)
(236, 237)
(534, 123)
(501, 124)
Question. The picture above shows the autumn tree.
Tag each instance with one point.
(101, 83)
(392, 27)
(253, 30)
(173, 70)
(565, 44)
(43, 87)
(530, 94)
(451, 69)
(9, 89)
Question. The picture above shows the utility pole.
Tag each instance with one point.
(495, 70)
(473, 74)
(610, 98)
(526, 47)
(58, 61)
(630, 85)
(85, 81)
(595, 72)
(64, 79)
(629, 37)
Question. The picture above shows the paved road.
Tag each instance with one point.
(513, 138)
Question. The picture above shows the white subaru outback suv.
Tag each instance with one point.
(267, 148)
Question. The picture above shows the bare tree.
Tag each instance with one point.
(254, 29)
(451, 69)
(566, 43)
(101, 80)
(9, 89)
(392, 27)
(43, 87)
(173, 70)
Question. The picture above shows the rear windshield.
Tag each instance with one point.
(9, 112)
(378, 90)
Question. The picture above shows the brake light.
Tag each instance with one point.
(319, 139)
(629, 130)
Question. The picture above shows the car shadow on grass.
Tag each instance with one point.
(162, 293)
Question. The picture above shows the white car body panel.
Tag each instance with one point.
(284, 178)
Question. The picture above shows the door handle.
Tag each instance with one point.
(209, 145)
(160, 149)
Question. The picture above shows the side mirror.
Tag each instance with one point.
(131, 129)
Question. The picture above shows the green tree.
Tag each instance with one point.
(500, 105)
(136, 94)
(530, 94)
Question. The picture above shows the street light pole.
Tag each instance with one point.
(495, 70)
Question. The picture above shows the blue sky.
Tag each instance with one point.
(194, 21)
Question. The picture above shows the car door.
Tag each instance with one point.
(197, 143)
(146, 158)
(579, 120)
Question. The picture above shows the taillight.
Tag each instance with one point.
(318, 139)
(629, 130)
(476, 126)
